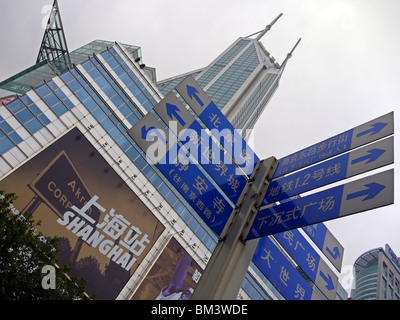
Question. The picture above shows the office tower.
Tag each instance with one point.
(241, 80)
(377, 275)
(68, 115)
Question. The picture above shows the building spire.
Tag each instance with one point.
(53, 44)
(289, 55)
(268, 27)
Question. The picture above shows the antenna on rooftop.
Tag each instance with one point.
(54, 44)
(289, 55)
(266, 29)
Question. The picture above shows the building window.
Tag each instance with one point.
(385, 270)
(383, 289)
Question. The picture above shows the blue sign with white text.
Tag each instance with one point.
(309, 261)
(357, 196)
(280, 272)
(194, 186)
(361, 160)
(241, 152)
(213, 159)
(353, 138)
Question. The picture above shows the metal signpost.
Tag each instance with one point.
(245, 200)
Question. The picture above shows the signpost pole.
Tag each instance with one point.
(229, 263)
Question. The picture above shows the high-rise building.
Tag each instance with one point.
(240, 81)
(377, 275)
(64, 149)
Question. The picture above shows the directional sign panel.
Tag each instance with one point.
(364, 194)
(327, 243)
(201, 146)
(281, 273)
(151, 137)
(193, 94)
(309, 261)
(353, 138)
(213, 159)
(219, 125)
(358, 161)
(198, 191)
(172, 111)
(182, 171)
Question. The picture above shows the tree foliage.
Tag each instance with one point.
(24, 252)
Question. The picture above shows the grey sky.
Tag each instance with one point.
(345, 71)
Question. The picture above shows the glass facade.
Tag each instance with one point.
(246, 71)
(104, 92)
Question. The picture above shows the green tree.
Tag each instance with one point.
(28, 260)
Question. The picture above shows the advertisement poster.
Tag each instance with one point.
(173, 277)
(105, 229)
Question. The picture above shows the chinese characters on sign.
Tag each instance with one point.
(348, 140)
(115, 237)
(364, 194)
(280, 272)
(359, 161)
(309, 261)
(198, 191)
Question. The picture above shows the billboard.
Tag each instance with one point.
(105, 229)
(173, 277)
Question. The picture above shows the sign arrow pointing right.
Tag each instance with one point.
(372, 155)
(376, 127)
(371, 192)
(328, 280)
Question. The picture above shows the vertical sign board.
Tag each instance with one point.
(353, 138)
(364, 194)
(201, 146)
(281, 273)
(219, 125)
(182, 171)
(350, 164)
(309, 261)
(327, 243)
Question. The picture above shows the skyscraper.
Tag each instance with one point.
(241, 80)
(377, 275)
(72, 111)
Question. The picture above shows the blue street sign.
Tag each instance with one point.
(326, 242)
(219, 125)
(353, 197)
(359, 161)
(183, 172)
(353, 138)
(281, 273)
(213, 159)
(201, 146)
(197, 190)
(309, 261)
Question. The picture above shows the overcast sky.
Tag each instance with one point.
(345, 71)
